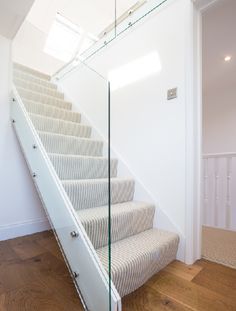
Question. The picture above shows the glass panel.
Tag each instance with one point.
(127, 13)
(70, 166)
(73, 166)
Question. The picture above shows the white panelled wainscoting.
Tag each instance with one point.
(219, 190)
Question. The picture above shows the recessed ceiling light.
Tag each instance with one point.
(227, 58)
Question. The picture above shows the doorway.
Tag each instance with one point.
(219, 132)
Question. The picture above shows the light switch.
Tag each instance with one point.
(172, 93)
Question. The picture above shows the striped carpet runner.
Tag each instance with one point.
(138, 250)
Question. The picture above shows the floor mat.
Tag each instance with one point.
(219, 245)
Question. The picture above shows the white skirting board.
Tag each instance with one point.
(11, 231)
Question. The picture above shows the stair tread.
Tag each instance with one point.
(90, 193)
(76, 156)
(67, 144)
(137, 258)
(97, 180)
(45, 95)
(116, 209)
(49, 106)
(82, 167)
(127, 219)
(26, 76)
(29, 84)
(58, 120)
(42, 103)
(68, 137)
(51, 111)
(31, 71)
(53, 125)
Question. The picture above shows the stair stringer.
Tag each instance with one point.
(92, 283)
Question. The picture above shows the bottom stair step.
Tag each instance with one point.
(139, 257)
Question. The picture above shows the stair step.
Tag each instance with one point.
(127, 219)
(58, 126)
(64, 144)
(35, 87)
(82, 167)
(137, 258)
(51, 111)
(31, 71)
(88, 193)
(44, 99)
(31, 78)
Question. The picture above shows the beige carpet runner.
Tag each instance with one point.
(138, 250)
(219, 245)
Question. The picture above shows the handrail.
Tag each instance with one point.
(134, 18)
(219, 155)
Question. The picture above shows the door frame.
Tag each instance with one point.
(194, 187)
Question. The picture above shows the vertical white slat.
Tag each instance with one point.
(228, 195)
(216, 191)
(211, 191)
(233, 195)
(222, 192)
(206, 215)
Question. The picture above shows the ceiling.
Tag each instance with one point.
(12, 15)
(219, 40)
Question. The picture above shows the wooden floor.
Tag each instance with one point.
(33, 277)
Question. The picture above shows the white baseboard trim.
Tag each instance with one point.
(11, 231)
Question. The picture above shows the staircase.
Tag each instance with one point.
(138, 250)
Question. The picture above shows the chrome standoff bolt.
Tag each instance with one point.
(74, 234)
(75, 274)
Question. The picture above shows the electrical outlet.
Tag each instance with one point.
(172, 93)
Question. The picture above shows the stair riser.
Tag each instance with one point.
(87, 195)
(143, 270)
(122, 226)
(52, 112)
(38, 88)
(69, 145)
(30, 78)
(91, 168)
(60, 127)
(44, 99)
(137, 258)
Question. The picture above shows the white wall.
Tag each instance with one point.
(21, 211)
(219, 118)
(219, 80)
(28, 50)
(148, 132)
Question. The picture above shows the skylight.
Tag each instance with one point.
(63, 40)
(135, 70)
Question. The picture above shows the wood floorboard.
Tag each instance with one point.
(34, 277)
(189, 293)
(213, 277)
(183, 271)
